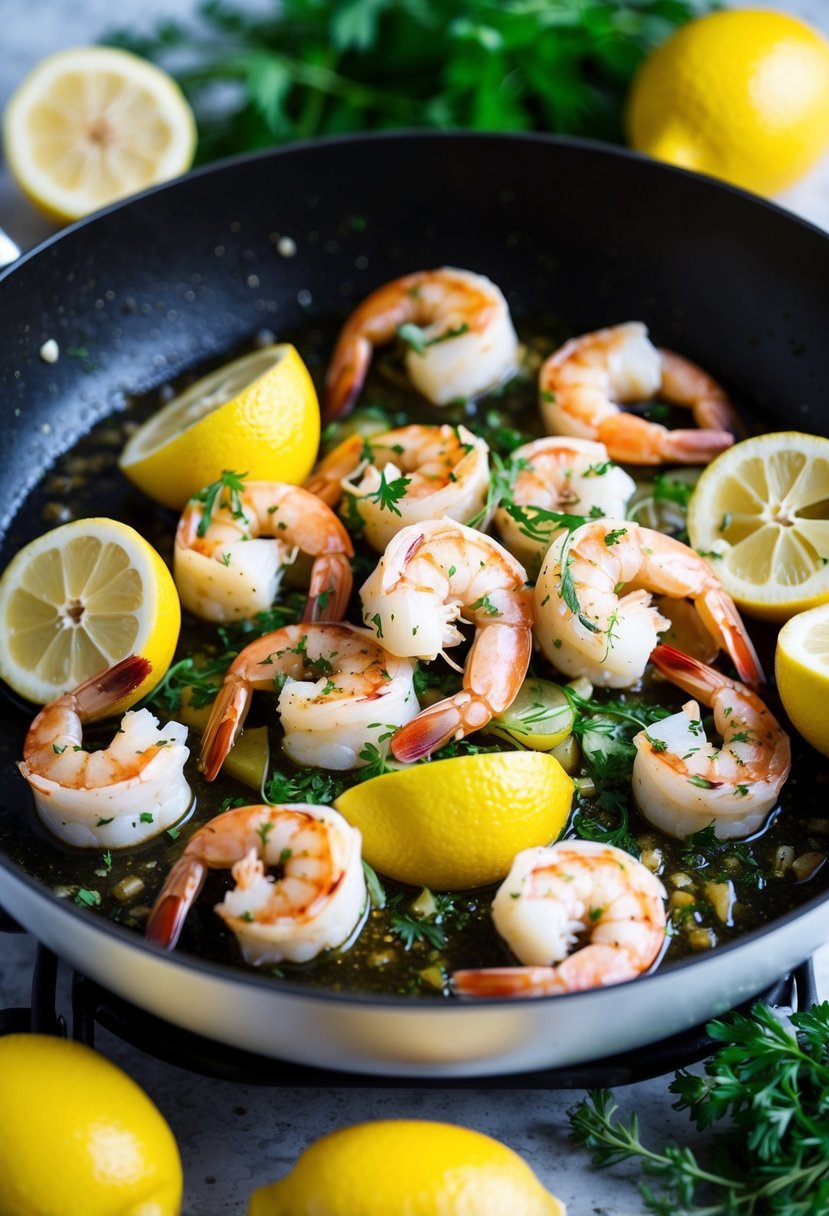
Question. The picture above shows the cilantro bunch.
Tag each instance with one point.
(302, 68)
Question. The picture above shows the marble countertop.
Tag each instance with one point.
(236, 1137)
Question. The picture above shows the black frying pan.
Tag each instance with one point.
(188, 273)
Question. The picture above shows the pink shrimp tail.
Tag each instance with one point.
(508, 982)
(225, 722)
(452, 718)
(177, 896)
(330, 588)
(97, 694)
(694, 447)
(688, 673)
(719, 612)
(346, 375)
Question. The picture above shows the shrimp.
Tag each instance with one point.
(579, 915)
(232, 549)
(339, 690)
(584, 382)
(682, 783)
(565, 475)
(439, 471)
(119, 796)
(429, 576)
(593, 613)
(461, 340)
(315, 901)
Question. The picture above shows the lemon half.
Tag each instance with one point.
(93, 124)
(455, 824)
(406, 1165)
(760, 513)
(77, 600)
(258, 415)
(78, 1135)
(801, 669)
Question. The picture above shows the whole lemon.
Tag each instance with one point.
(405, 1167)
(77, 1135)
(741, 95)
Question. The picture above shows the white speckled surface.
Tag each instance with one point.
(234, 1137)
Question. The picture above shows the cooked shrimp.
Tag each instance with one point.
(438, 471)
(315, 901)
(464, 339)
(593, 611)
(583, 384)
(119, 796)
(339, 690)
(579, 914)
(431, 575)
(566, 475)
(682, 783)
(228, 561)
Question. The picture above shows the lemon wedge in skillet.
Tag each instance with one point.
(760, 514)
(258, 414)
(80, 598)
(93, 124)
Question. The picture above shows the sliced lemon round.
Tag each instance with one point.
(455, 824)
(801, 669)
(77, 600)
(258, 415)
(540, 717)
(93, 124)
(760, 514)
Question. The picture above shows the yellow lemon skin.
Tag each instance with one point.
(79, 599)
(407, 1168)
(801, 669)
(758, 513)
(457, 824)
(77, 1135)
(741, 95)
(268, 429)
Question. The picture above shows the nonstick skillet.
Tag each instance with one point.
(191, 272)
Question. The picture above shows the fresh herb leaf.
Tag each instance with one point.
(226, 492)
(303, 785)
(389, 493)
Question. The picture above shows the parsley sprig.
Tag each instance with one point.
(226, 492)
(767, 1087)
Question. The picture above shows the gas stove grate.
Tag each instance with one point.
(92, 1006)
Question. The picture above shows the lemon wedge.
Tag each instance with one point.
(801, 669)
(258, 415)
(455, 824)
(760, 514)
(93, 124)
(77, 600)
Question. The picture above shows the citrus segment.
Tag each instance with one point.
(760, 512)
(801, 668)
(79, 599)
(258, 415)
(455, 824)
(540, 717)
(741, 95)
(396, 1166)
(78, 1135)
(92, 124)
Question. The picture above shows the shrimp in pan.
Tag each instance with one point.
(460, 337)
(560, 474)
(404, 476)
(228, 560)
(583, 385)
(121, 795)
(578, 915)
(431, 575)
(338, 690)
(593, 611)
(682, 782)
(315, 901)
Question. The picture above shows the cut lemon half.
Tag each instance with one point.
(455, 824)
(801, 668)
(258, 415)
(93, 124)
(760, 514)
(77, 600)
